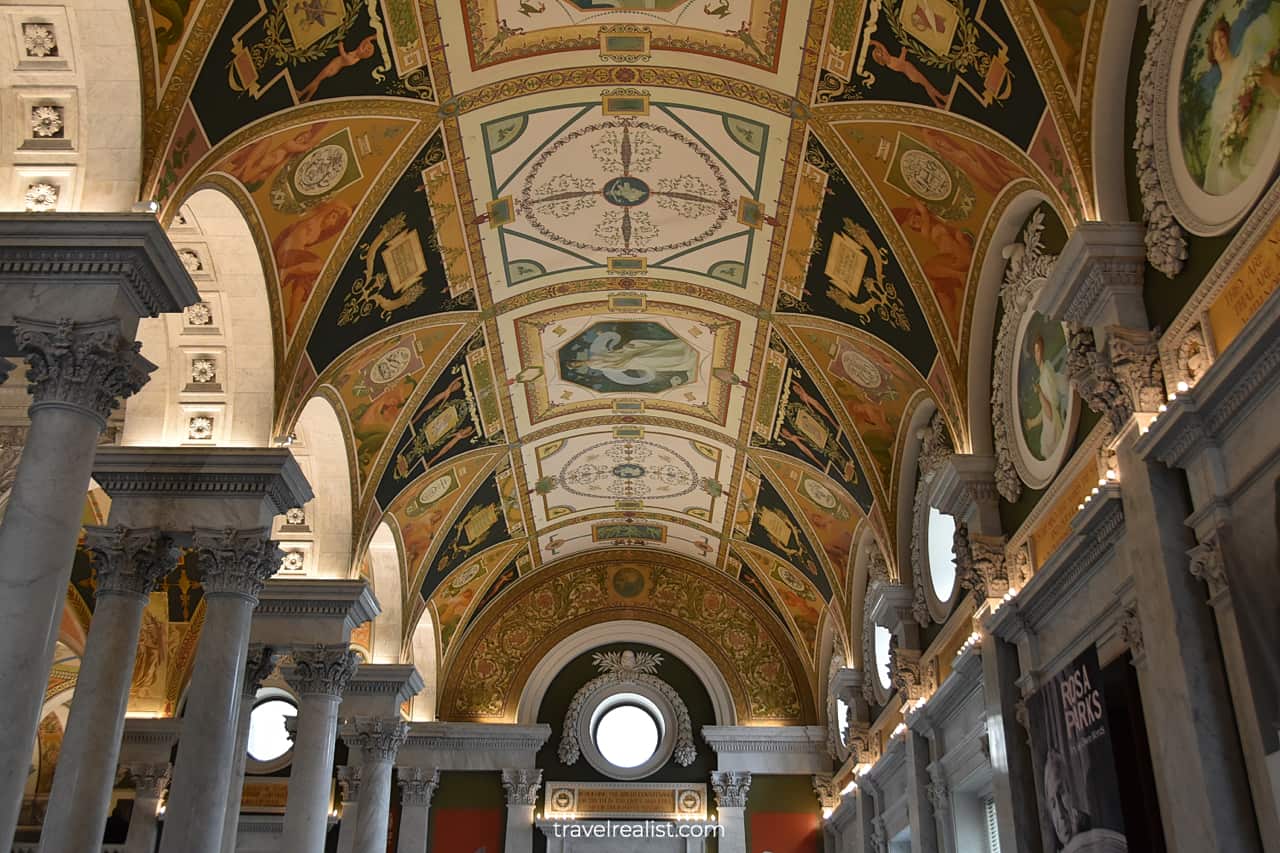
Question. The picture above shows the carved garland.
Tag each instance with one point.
(1029, 267)
(935, 447)
(627, 668)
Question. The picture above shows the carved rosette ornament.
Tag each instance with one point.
(322, 669)
(828, 795)
(235, 562)
(731, 787)
(522, 786)
(377, 738)
(935, 447)
(1207, 565)
(417, 785)
(130, 562)
(260, 662)
(1028, 269)
(149, 780)
(349, 783)
(89, 367)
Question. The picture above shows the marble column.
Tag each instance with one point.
(924, 825)
(349, 794)
(318, 673)
(260, 662)
(378, 739)
(149, 782)
(128, 564)
(1008, 745)
(731, 788)
(522, 796)
(417, 787)
(78, 373)
(235, 564)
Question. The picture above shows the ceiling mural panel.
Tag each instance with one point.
(625, 305)
(626, 181)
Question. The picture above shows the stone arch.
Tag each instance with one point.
(385, 575)
(325, 539)
(424, 654)
(1110, 106)
(231, 337)
(626, 631)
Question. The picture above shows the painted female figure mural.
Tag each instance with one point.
(1049, 387)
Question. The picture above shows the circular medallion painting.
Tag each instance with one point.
(1043, 405)
(1223, 110)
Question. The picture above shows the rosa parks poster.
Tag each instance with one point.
(1076, 781)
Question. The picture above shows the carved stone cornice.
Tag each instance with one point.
(149, 780)
(417, 785)
(321, 669)
(349, 783)
(828, 795)
(377, 738)
(128, 250)
(1097, 278)
(260, 662)
(522, 786)
(235, 562)
(436, 736)
(270, 474)
(731, 787)
(87, 367)
(129, 562)
(890, 605)
(964, 483)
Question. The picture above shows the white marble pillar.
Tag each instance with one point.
(522, 796)
(417, 787)
(149, 782)
(78, 373)
(731, 788)
(378, 739)
(235, 563)
(260, 662)
(318, 673)
(349, 792)
(128, 564)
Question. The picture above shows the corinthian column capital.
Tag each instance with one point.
(149, 780)
(417, 785)
(89, 367)
(235, 562)
(321, 669)
(130, 561)
(260, 662)
(731, 787)
(377, 738)
(522, 786)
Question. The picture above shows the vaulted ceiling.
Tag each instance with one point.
(663, 275)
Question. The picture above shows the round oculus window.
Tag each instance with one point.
(942, 561)
(627, 734)
(268, 739)
(882, 637)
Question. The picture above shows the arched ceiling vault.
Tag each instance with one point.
(663, 277)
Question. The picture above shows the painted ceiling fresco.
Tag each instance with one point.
(663, 277)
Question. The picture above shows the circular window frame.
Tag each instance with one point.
(609, 696)
(262, 768)
(921, 562)
(940, 607)
(871, 666)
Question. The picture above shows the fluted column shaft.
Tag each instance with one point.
(149, 781)
(78, 373)
(235, 564)
(128, 564)
(417, 787)
(319, 673)
(378, 740)
(260, 662)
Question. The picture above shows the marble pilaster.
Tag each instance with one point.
(522, 796)
(149, 784)
(260, 662)
(349, 798)
(731, 788)
(319, 673)
(417, 787)
(128, 564)
(72, 289)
